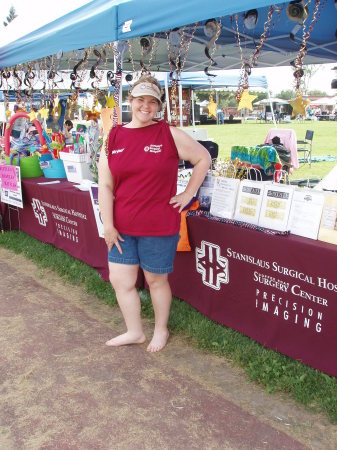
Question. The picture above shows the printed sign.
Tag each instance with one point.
(8, 177)
(8, 195)
(94, 200)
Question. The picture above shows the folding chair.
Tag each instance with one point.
(305, 146)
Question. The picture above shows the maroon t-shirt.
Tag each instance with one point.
(144, 165)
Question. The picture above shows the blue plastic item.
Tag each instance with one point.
(55, 169)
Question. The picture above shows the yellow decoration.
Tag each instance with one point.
(299, 105)
(212, 107)
(110, 102)
(246, 100)
(43, 113)
(32, 115)
(55, 106)
(8, 113)
(92, 114)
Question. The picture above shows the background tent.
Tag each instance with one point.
(324, 101)
(102, 21)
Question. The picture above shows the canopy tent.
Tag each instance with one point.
(198, 81)
(267, 101)
(103, 21)
(325, 101)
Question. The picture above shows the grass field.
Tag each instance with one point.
(254, 133)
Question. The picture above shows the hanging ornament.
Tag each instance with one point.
(92, 114)
(212, 107)
(8, 113)
(299, 105)
(44, 112)
(110, 102)
(250, 19)
(298, 63)
(297, 11)
(32, 115)
(246, 100)
(212, 29)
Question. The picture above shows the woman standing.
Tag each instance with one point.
(139, 208)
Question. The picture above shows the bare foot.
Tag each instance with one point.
(159, 341)
(126, 339)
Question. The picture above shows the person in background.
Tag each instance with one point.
(68, 137)
(140, 209)
(94, 135)
(31, 137)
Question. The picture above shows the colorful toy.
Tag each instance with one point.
(10, 125)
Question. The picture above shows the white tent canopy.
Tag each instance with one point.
(267, 101)
(324, 101)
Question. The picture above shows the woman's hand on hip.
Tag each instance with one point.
(181, 200)
(112, 237)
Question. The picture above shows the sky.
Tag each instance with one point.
(35, 13)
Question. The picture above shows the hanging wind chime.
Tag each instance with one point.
(299, 105)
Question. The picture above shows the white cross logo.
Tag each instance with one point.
(39, 212)
(212, 266)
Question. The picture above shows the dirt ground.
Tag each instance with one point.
(62, 388)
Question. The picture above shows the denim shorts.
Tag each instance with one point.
(155, 254)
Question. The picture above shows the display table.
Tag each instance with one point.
(61, 215)
(288, 140)
(279, 290)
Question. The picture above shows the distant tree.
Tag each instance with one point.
(309, 71)
(317, 93)
(11, 16)
(226, 97)
(287, 95)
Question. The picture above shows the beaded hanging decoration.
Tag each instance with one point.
(177, 62)
(246, 65)
(298, 64)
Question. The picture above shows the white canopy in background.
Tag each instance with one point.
(324, 101)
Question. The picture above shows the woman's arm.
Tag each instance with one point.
(190, 150)
(105, 200)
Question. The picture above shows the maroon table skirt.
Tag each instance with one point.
(62, 215)
(279, 290)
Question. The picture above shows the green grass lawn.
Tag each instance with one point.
(253, 133)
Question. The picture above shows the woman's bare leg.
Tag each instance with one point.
(161, 297)
(123, 279)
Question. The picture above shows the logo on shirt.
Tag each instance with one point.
(211, 265)
(152, 148)
(113, 152)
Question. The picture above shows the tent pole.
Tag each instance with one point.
(272, 111)
(181, 104)
(192, 101)
(167, 99)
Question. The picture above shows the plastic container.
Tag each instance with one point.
(53, 168)
(29, 166)
(76, 166)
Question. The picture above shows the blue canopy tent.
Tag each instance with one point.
(237, 42)
(102, 21)
(198, 81)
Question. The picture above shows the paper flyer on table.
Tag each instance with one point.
(94, 200)
(224, 197)
(328, 226)
(248, 205)
(306, 212)
(275, 207)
